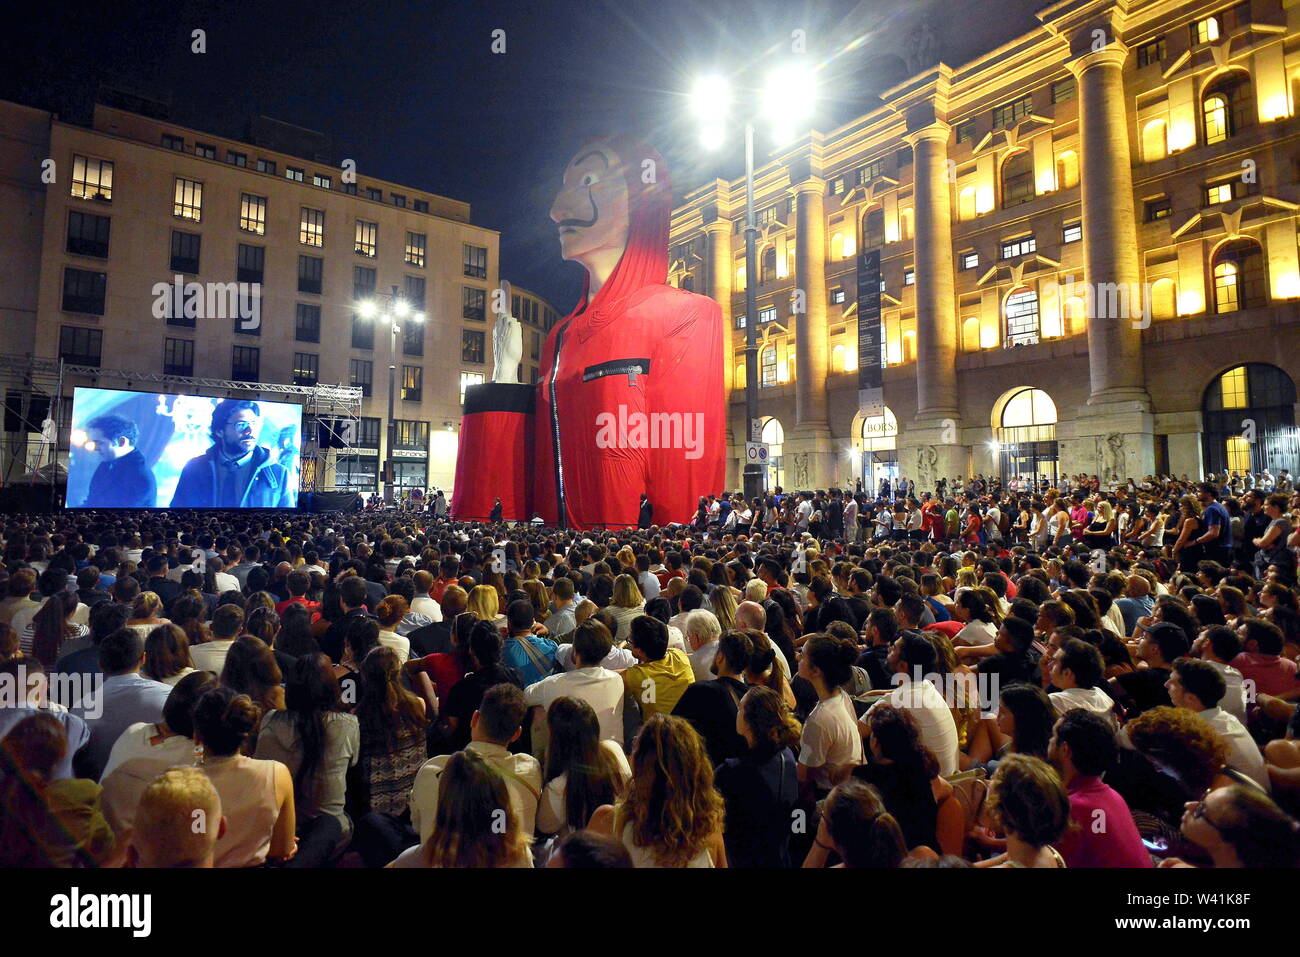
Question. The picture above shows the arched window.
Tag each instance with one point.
(1017, 179)
(873, 228)
(767, 368)
(1067, 170)
(1228, 106)
(879, 433)
(1266, 396)
(1164, 298)
(1021, 312)
(970, 334)
(843, 359)
(786, 372)
(740, 380)
(740, 277)
(1155, 141)
(1239, 279)
(774, 436)
(966, 203)
(1028, 409)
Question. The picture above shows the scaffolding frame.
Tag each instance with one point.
(28, 377)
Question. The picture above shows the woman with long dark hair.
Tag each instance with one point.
(582, 771)
(393, 747)
(251, 669)
(469, 829)
(905, 773)
(295, 638)
(52, 626)
(317, 741)
(189, 612)
(486, 670)
(759, 789)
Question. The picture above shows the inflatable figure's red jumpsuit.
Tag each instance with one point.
(629, 398)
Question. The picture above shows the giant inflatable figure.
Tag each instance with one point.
(629, 398)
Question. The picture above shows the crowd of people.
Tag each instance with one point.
(969, 676)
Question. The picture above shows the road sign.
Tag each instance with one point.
(756, 453)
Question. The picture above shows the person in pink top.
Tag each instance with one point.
(1101, 832)
(1261, 663)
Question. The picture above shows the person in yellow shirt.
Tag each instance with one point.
(662, 674)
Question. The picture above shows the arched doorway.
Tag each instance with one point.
(1253, 401)
(1024, 435)
(876, 437)
(774, 436)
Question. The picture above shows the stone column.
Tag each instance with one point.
(811, 434)
(1112, 272)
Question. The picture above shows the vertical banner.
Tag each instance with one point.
(871, 397)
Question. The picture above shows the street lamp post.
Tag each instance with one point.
(787, 100)
(394, 308)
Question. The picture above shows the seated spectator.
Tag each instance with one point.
(54, 633)
(1022, 725)
(125, 698)
(494, 725)
(912, 660)
(595, 684)
(170, 805)
(317, 741)
(251, 668)
(711, 705)
(662, 674)
(532, 656)
(1240, 826)
(702, 631)
(392, 723)
(464, 699)
(47, 821)
(905, 774)
(856, 826)
(1077, 672)
(390, 614)
(671, 815)
(167, 655)
(1197, 686)
(583, 770)
(830, 745)
(759, 788)
(1032, 809)
(587, 849)
(1101, 831)
(466, 829)
(227, 625)
(146, 614)
(1219, 645)
(27, 677)
(1144, 689)
(1261, 660)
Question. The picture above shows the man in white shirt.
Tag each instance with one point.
(911, 658)
(646, 579)
(803, 511)
(598, 686)
(497, 722)
(227, 625)
(702, 630)
(1078, 670)
(1197, 686)
(1217, 646)
(850, 518)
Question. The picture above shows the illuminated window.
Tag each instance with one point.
(767, 270)
(1238, 453)
(367, 239)
(188, 203)
(1205, 31)
(252, 213)
(1228, 107)
(311, 228)
(1067, 170)
(1239, 279)
(1155, 141)
(969, 260)
(1022, 317)
(1151, 52)
(92, 178)
(773, 435)
(1020, 246)
(468, 379)
(1017, 179)
(412, 383)
(1029, 415)
(1233, 386)
(873, 229)
(1072, 233)
(767, 368)
(415, 243)
(1220, 193)
(1011, 113)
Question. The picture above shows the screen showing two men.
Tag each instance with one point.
(145, 450)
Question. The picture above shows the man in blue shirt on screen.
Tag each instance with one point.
(123, 478)
(235, 472)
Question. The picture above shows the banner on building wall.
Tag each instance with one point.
(871, 395)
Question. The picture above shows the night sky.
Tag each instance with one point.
(413, 93)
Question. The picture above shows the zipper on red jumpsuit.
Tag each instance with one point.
(555, 428)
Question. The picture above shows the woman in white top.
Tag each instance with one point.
(390, 613)
(979, 609)
(583, 772)
(627, 603)
(145, 750)
(672, 787)
(831, 745)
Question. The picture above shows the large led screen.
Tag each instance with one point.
(145, 450)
